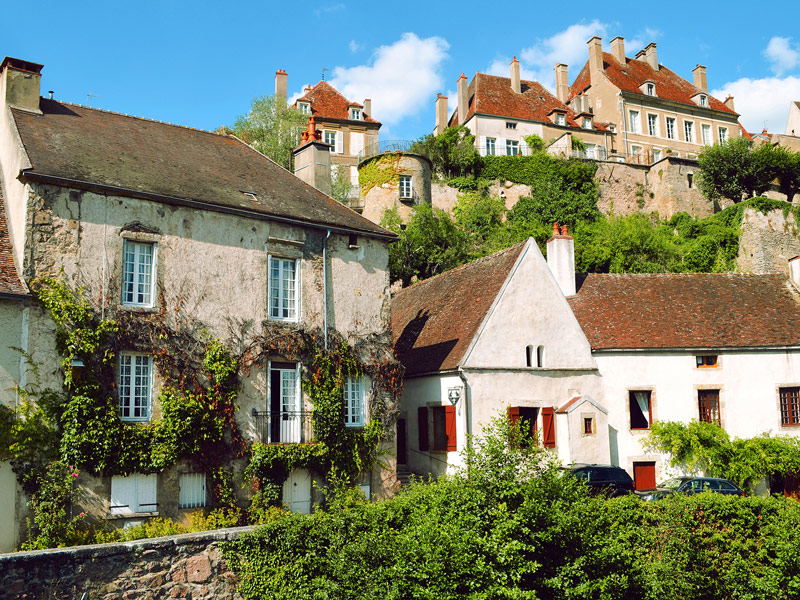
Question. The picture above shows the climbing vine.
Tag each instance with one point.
(379, 171)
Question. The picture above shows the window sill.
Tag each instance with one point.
(790, 424)
(139, 515)
(136, 308)
(134, 420)
(645, 429)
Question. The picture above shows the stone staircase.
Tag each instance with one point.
(403, 475)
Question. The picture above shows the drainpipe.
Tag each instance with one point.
(467, 407)
(325, 282)
(625, 124)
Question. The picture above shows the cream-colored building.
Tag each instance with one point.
(159, 221)
(654, 111)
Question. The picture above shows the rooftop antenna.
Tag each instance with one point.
(323, 72)
(89, 96)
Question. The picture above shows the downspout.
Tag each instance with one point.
(625, 125)
(467, 408)
(325, 282)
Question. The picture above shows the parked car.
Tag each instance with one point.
(691, 486)
(603, 479)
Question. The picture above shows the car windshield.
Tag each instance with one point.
(672, 484)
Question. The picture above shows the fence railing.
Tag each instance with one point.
(385, 146)
(284, 427)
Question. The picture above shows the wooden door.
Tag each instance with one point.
(644, 475)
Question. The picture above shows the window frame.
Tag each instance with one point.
(561, 119)
(649, 416)
(490, 146)
(512, 148)
(671, 122)
(290, 318)
(789, 407)
(406, 191)
(705, 134)
(634, 126)
(304, 108)
(704, 409)
(356, 114)
(192, 498)
(587, 122)
(129, 288)
(688, 132)
(650, 89)
(511, 125)
(126, 393)
(652, 124)
(355, 402)
(722, 134)
(703, 361)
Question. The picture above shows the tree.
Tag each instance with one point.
(787, 170)
(340, 185)
(270, 127)
(479, 216)
(453, 152)
(734, 171)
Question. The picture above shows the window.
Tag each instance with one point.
(587, 123)
(706, 133)
(135, 386)
(706, 361)
(443, 420)
(588, 425)
(703, 100)
(283, 297)
(526, 416)
(285, 412)
(652, 124)
(688, 131)
(354, 402)
(636, 150)
(540, 356)
(633, 126)
(512, 148)
(708, 405)
(641, 409)
(355, 114)
(690, 180)
(790, 405)
(511, 125)
(671, 128)
(656, 155)
(138, 273)
(133, 494)
(406, 190)
(591, 150)
(490, 151)
(650, 89)
(304, 107)
(335, 139)
(561, 119)
(193, 490)
(723, 135)
(356, 143)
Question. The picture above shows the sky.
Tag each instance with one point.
(201, 63)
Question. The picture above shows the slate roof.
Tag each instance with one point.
(492, 95)
(634, 73)
(435, 320)
(694, 310)
(10, 281)
(150, 157)
(328, 103)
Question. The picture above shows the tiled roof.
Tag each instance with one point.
(151, 157)
(434, 321)
(696, 310)
(634, 73)
(10, 282)
(492, 95)
(327, 103)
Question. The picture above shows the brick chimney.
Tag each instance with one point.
(729, 102)
(20, 81)
(651, 56)
(312, 159)
(281, 84)
(700, 81)
(562, 82)
(595, 56)
(640, 55)
(515, 82)
(618, 49)
(462, 99)
(441, 115)
(368, 106)
(561, 259)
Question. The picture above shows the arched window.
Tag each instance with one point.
(540, 356)
(529, 356)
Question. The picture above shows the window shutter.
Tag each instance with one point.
(123, 495)
(482, 148)
(146, 493)
(513, 414)
(422, 426)
(339, 147)
(450, 426)
(548, 426)
(523, 147)
(500, 146)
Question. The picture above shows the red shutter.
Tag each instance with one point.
(450, 426)
(548, 427)
(422, 426)
(513, 414)
(644, 475)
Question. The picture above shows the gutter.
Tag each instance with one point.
(15, 296)
(685, 350)
(26, 174)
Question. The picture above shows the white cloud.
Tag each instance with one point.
(329, 9)
(354, 46)
(782, 55)
(400, 80)
(762, 102)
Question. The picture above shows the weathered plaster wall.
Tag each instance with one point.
(767, 242)
(380, 198)
(577, 446)
(184, 566)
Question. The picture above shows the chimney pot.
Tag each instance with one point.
(561, 259)
(312, 159)
(729, 102)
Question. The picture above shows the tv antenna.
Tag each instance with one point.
(89, 97)
(323, 72)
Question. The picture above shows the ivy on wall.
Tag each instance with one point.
(379, 171)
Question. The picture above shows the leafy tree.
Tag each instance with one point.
(479, 216)
(340, 185)
(535, 143)
(734, 171)
(270, 127)
(452, 152)
(787, 169)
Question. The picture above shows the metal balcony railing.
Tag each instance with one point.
(385, 146)
(284, 427)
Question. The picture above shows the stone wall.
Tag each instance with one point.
(767, 242)
(184, 566)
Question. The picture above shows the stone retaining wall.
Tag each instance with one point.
(186, 566)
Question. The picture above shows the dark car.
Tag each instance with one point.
(691, 486)
(603, 479)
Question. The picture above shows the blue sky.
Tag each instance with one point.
(200, 63)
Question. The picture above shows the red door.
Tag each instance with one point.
(644, 475)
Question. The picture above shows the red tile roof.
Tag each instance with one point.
(150, 157)
(492, 95)
(10, 282)
(634, 73)
(435, 320)
(697, 310)
(327, 103)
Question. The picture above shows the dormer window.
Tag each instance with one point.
(304, 107)
(703, 100)
(650, 89)
(355, 114)
(587, 123)
(561, 119)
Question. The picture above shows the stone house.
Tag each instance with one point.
(501, 111)
(160, 221)
(654, 111)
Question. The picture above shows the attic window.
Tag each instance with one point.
(511, 125)
(561, 119)
(587, 123)
(355, 114)
(352, 241)
(650, 89)
(703, 100)
(304, 107)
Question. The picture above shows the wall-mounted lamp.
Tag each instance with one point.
(454, 395)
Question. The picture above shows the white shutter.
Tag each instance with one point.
(354, 175)
(523, 148)
(356, 143)
(192, 490)
(123, 495)
(339, 147)
(482, 148)
(146, 493)
(500, 147)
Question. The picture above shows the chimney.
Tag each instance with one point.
(562, 82)
(561, 258)
(794, 271)
(368, 106)
(515, 83)
(462, 99)
(729, 102)
(19, 83)
(312, 159)
(441, 115)
(595, 56)
(700, 81)
(618, 49)
(651, 56)
(640, 55)
(281, 83)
